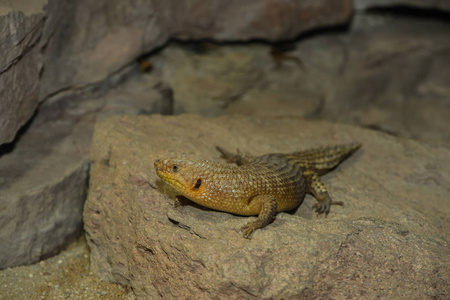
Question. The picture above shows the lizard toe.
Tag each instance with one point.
(249, 228)
(323, 207)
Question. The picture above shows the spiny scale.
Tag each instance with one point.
(261, 186)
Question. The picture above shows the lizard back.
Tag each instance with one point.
(231, 188)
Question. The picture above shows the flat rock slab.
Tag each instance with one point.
(389, 240)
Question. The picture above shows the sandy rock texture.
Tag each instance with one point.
(64, 276)
(390, 240)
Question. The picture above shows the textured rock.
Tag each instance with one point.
(19, 66)
(208, 78)
(106, 35)
(81, 45)
(83, 42)
(392, 77)
(388, 241)
(44, 176)
(434, 4)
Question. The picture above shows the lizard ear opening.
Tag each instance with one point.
(197, 185)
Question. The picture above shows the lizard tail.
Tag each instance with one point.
(324, 159)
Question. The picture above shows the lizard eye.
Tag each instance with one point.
(197, 185)
(175, 168)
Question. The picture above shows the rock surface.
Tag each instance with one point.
(74, 49)
(64, 276)
(20, 30)
(388, 241)
(83, 42)
(43, 179)
(390, 75)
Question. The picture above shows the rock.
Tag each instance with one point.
(389, 240)
(427, 4)
(44, 176)
(390, 81)
(99, 47)
(19, 66)
(391, 77)
(208, 78)
(106, 35)
(65, 61)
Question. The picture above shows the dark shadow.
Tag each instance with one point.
(9, 147)
(423, 13)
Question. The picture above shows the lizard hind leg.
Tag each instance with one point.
(319, 191)
(266, 214)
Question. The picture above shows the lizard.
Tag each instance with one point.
(248, 185)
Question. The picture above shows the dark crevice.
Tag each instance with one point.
(422, 13)
(181, 225)
(9, 147)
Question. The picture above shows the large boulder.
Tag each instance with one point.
(390, 240)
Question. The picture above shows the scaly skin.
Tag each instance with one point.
(260, 186)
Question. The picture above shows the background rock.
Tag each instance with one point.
(393, 226)
(20, 30)
(44, 176)
(82, 42)
(391, 76)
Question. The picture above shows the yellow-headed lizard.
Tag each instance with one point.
(262, 185)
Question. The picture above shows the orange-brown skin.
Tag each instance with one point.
(260, 186)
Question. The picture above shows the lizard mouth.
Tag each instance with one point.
(171, 181)
(167, 177)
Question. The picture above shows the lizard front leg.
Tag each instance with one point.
(318, 190)
(237, 158)
(266, 215)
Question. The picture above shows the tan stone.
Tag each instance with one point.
(388, 241)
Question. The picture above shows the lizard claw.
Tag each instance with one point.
(249, 228)
(323, 207)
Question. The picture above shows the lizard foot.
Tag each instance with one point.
(180, 201)
(250, 227)
(323, 207)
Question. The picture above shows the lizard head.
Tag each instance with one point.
(184, 175)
